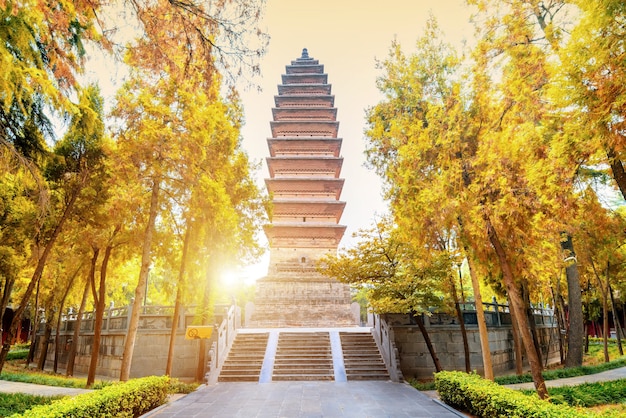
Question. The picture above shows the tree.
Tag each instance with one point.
(477, 159)
(396, 279)
(77, 160)
(591, 89)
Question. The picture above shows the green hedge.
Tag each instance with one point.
(129, 399)
(20, 354)
(484, 398)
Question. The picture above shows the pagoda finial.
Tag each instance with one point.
(305, 53)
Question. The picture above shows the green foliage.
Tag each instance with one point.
(394, 276)
(16, 403)
(563, 373)
(589, 394)
(484, 398)
(130, 399)
(176, 386)
(18, 354)
(40, 378)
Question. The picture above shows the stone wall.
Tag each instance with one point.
(151, 345)
(149, 357)
(416, 362)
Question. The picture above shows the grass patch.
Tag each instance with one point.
(16, 403)
(16, 372)
(176, 386)
(563, 373)
(593, 363)
(588, 394)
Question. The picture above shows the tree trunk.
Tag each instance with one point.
(617, 169)
(71, 357)
(429, 344)
(133, 324)
(180, 285)
(41, 363)
(34, 326)
(618, 326)
(482, 323)
(459, 315)
(531, 322)
(605, 311)
(57, 334)
(4, 300)
(557, 314)
(41, 263)
(517, 342)
(206, 314)
(99, 297)
(517, 306)
(575, 338)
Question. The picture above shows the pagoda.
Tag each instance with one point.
(304, 184)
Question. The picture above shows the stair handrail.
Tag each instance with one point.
(226, 333)
(385, 340)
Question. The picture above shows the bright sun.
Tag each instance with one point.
(244, 276)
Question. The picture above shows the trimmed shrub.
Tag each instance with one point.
(590, 394)
(129, 399)
(13, 403)
(484, 398)
(20, 354)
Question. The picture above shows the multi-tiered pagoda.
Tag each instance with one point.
(304, 168)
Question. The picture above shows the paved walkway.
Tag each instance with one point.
(306, 399)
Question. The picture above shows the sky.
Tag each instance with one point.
(347, 37)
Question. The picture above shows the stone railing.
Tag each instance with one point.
(496, 315)
(383, 334)
(226, 332)
(151, 348)
(445, 335)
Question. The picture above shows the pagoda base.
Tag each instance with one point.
(314, 303)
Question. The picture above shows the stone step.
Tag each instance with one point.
(245, 358)
(301, 376)
(362, 359)
(239, 378)
(244, 370)
(285, 366)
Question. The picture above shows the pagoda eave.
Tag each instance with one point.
(303, 166)
(309, 208)
(283, 114)
(303, 232)
(304, 128)
(310, 89)
(298, 146)
(305, 78)
(298, 186)
(304, 101)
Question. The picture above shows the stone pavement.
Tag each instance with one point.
(373, 399)
(362, 399)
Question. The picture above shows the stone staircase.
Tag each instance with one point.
(245, 358)
(290, 355)
(361, 357)
(303, 356)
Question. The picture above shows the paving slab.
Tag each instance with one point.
(367, 399)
